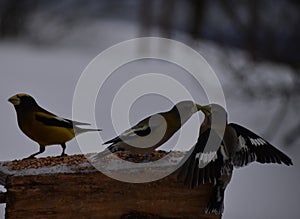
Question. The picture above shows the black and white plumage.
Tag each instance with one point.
(236, 148)
(191, 172)
(254, 148)
(151, 132)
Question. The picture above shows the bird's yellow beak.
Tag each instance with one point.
(197, 108)
(206, 110)
(15, 100)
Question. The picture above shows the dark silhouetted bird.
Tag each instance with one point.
(215, 155)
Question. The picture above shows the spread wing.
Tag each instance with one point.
(203, 167)
(255, 148)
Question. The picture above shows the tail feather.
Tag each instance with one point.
(100, 155)
(109, 150)
(78, 123)
(79, 130)
(92, 130)
(113, 141)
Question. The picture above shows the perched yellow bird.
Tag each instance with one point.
(151, 132)
(213, 159)
(44, 127)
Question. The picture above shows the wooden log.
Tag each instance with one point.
(86, 193)
(2, 197)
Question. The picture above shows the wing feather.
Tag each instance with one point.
(199, 168)
(255, 148)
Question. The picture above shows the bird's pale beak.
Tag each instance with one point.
(206, 110)
(14, 100)
(197, 108)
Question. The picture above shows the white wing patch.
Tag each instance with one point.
(131, 132)
(223, 152)
(205, 158)
(242, 142)
(257, 141)
(127, 133)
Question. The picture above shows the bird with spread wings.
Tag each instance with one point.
(214, 156)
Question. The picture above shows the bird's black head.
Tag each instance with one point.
(23, 101)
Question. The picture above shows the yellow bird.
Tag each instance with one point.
(44, 127)
(151, 132)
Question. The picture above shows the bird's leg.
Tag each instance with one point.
(63, 145)
(42, 149)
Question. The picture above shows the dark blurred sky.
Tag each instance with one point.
(268, 30)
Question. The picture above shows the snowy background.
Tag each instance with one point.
(47, 58)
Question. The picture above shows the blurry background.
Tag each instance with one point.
(252, 45)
